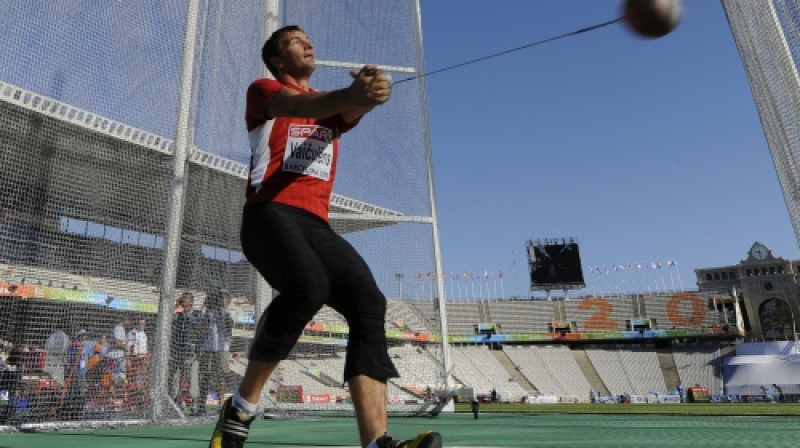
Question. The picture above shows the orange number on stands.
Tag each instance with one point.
(599, 320)
(698, 310)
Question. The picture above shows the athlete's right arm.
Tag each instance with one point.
(363, 93)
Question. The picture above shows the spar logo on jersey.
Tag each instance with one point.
(310, 131)
(309, 151)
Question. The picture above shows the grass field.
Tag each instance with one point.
(459, 430)
(710, 409)
(501, 425)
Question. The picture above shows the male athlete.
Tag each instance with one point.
(294, 136)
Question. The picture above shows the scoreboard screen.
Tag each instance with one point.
(555, 264)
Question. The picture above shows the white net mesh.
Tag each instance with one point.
(89, 101)
(767, 35)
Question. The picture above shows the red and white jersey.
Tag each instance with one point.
(293, 160)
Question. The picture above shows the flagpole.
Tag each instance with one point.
(671, 279)
(600, 282)
(639, 280)
(472, 282)
(451, 287)
(604, 284)
(655, 279)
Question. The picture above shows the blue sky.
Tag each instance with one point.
(645, 150)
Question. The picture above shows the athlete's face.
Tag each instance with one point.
(296, 54)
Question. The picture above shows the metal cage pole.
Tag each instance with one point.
(263, 290)
(175, 212)
(442, 299)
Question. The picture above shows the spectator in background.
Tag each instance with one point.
(73, 400)
(137, 348)
(230, 318)
(475, 405)
(20, 403)
(56, 347)
(179, 307)
(118, 348)
(215, 333)
(96, 366)
(22, 358)
(185, 327)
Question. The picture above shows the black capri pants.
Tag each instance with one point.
(310, 265)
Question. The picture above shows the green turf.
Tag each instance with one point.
(538, 426)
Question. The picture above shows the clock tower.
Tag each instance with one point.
(767, 291)
(759, 252)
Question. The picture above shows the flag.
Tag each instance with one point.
(500, 274)
(486, 274)
(452, 276)
(472, 275)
